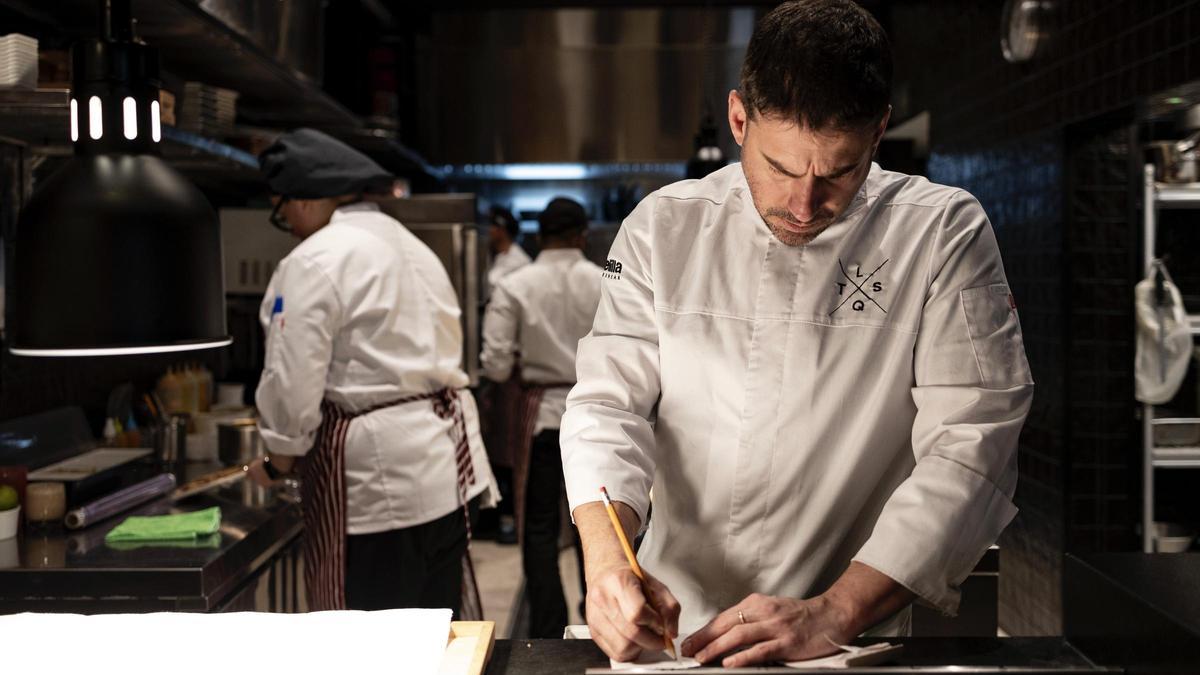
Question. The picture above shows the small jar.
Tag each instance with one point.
(45, 502)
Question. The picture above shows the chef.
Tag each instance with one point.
(537, 316)
(507, 254)
(363, 383)
(817, 365)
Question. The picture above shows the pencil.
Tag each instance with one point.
(633, 563)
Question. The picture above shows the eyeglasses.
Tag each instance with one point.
(277, 219)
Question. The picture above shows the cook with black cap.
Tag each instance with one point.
(537, 316)
(363, 390)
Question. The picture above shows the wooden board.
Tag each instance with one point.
(468, 647)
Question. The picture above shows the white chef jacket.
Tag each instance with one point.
(363, 313)
(506, 263)
(541, 311)
(788, 421)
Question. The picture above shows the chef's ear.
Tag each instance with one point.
(737, 117)
(881, 129)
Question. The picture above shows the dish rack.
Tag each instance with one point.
(1160, 196)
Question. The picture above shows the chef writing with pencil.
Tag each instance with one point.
(816, 363)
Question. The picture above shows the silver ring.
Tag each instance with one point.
(741, 617)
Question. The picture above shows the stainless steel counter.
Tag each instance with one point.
(251, 563)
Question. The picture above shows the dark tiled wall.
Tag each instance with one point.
(1045, 146)
(1019, 183)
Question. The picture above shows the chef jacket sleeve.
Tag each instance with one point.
(606, 435)
(305, 313)
(501, 325)
(972, 392)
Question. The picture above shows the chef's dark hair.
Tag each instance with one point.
(503, 218)
(825, 64)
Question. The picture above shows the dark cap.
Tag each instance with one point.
(562, 216)
(504, 219)
(307, 164)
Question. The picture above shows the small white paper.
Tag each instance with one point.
(658, 660)
(881, 650)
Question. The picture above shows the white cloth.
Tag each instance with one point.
(541, 311)
(1164, 339)
(504, 264)
(787, 421)
(369, 316)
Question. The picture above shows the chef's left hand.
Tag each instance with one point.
(775, 629)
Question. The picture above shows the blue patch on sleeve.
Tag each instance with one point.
(278, 307)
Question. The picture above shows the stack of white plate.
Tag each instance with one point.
(206, 109)
(18, 62)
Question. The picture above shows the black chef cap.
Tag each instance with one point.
(307, 164)
(562, 216)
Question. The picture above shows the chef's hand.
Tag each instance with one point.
(785, 629)
(774, 629)
(258, 474)
(626, 616)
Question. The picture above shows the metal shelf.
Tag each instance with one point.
(41, 120)
(1175, 420)
(1177, 195)
(196, 45)
(1177, 458)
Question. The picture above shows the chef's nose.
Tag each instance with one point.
(802, 199)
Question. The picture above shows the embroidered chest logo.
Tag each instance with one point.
(612, 270)
(857, 290)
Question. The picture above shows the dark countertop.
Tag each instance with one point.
(1138, 610)
(1168, 582)
(54, 569)
(975, 655)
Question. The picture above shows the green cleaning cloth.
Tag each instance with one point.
(187, 526)
(204, 541)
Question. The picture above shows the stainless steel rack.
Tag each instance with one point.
(1157, 197)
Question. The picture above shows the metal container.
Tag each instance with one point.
(172, 439)
(238, 442)
(172, 443)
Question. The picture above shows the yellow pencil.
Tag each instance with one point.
(637, 569)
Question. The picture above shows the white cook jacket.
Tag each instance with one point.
(788, 422)
(506, 263)
(541, 311)
(369, 316)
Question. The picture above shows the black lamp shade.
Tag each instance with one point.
(117, 253)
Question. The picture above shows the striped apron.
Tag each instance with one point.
(323, 492)
(521, 440)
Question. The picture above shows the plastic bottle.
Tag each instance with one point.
(170, 391)
(204, 384)
(187, 385)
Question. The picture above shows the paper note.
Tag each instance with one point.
(657, 660)
(877, 653)
(409, 641)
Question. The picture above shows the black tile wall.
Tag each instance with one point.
(1019, 185)
(1046, 146)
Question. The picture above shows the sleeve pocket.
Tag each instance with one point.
(995, 335)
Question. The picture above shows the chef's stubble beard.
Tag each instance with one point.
(787, 237)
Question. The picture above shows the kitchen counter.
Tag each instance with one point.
(251, 563)
(1139, 610)
(1050, 655)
